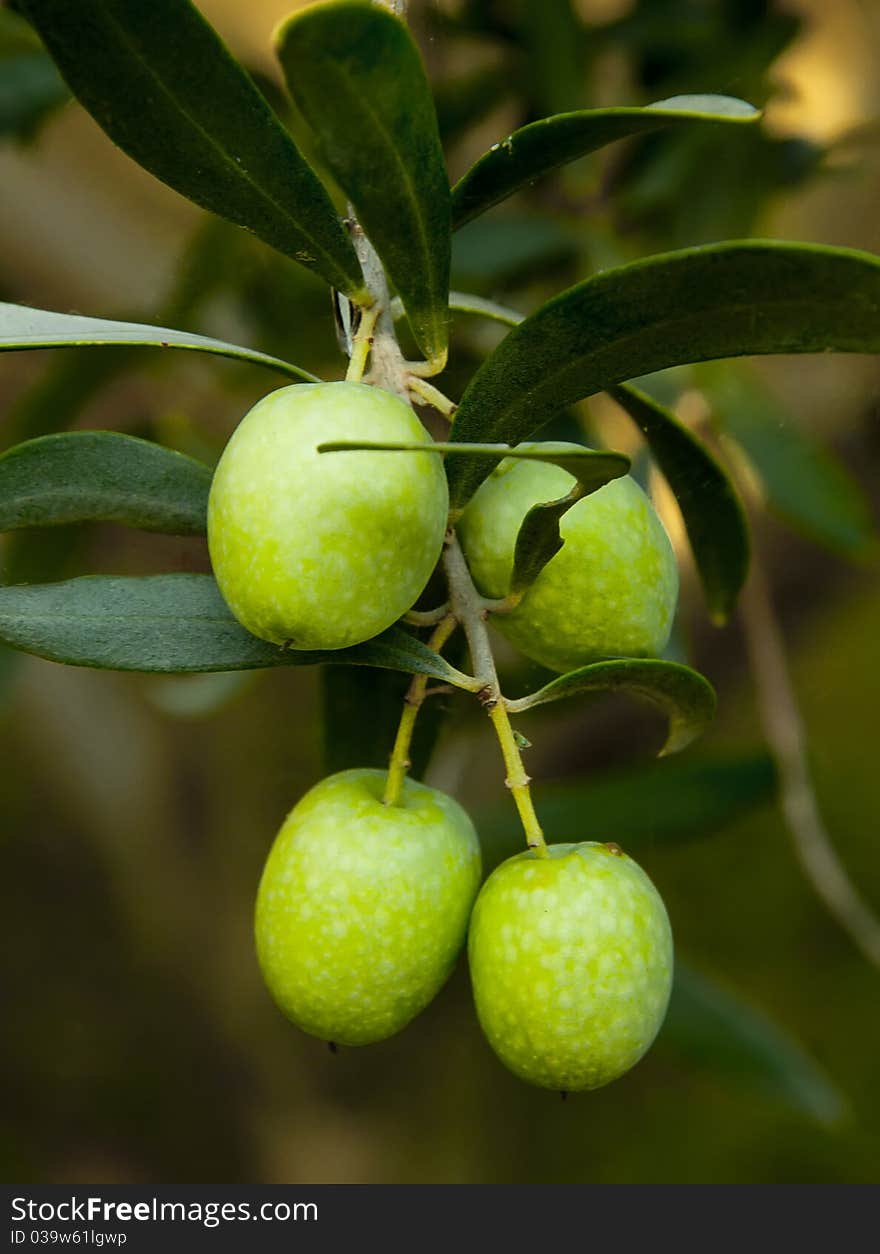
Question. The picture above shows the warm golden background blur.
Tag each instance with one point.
(136, 812)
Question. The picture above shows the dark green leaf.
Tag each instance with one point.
(163, 86)
(804, 483)
(593, 468)
(102, 475)
(724, 1036)
(214, 255)
(30, 86)
(724, 300)
(173, 623)
(538, 540)
(712, 512)
(24, 328)
(467, 302)
(358, 79)
(671, 801)
(683, 694)
(542, 146)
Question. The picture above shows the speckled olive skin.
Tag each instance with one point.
(610, 591)
(363, 908)
(571, 965)
(324, 550)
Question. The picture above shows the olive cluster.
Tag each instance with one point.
(364, 906)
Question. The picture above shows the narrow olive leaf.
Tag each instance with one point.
(538, 539)
(356, 75)
(673, 801)
(592, 468)
(804, 483)
(724, 1036)
(102, 475)
(174, 624)
(721, 300)
(713, 514)
(24, 328)
(683, 694)
(467, 302)
(542, 146)
(157, 78)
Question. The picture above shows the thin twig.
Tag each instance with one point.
(466, 605)
(426, 618)
(412, 703)
(784, 729)
(783, 726)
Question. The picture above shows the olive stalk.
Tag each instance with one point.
(412, 703)
(427, 394)
(363, 343)
(469, 610)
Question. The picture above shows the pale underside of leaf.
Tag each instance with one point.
(84, 476)
(682, 693)
(593, 468)
(23, 328)
(177, 624)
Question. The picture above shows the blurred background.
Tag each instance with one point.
(136, 812)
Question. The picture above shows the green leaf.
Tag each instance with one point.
(717, 1032)
(805, 484)
(542, 146)
(593, 468)
(357, 77)
(467, 302)
(723, 300)
(675, 800)
(102, 475)
(713, 514)
(683, 694)
(157, 78)
(30, 86)
(174, 623)
(538, 540)
(24, 328)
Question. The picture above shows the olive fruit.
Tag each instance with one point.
(610, 591)
(363, 907)
(324, 550)
(571, 964)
